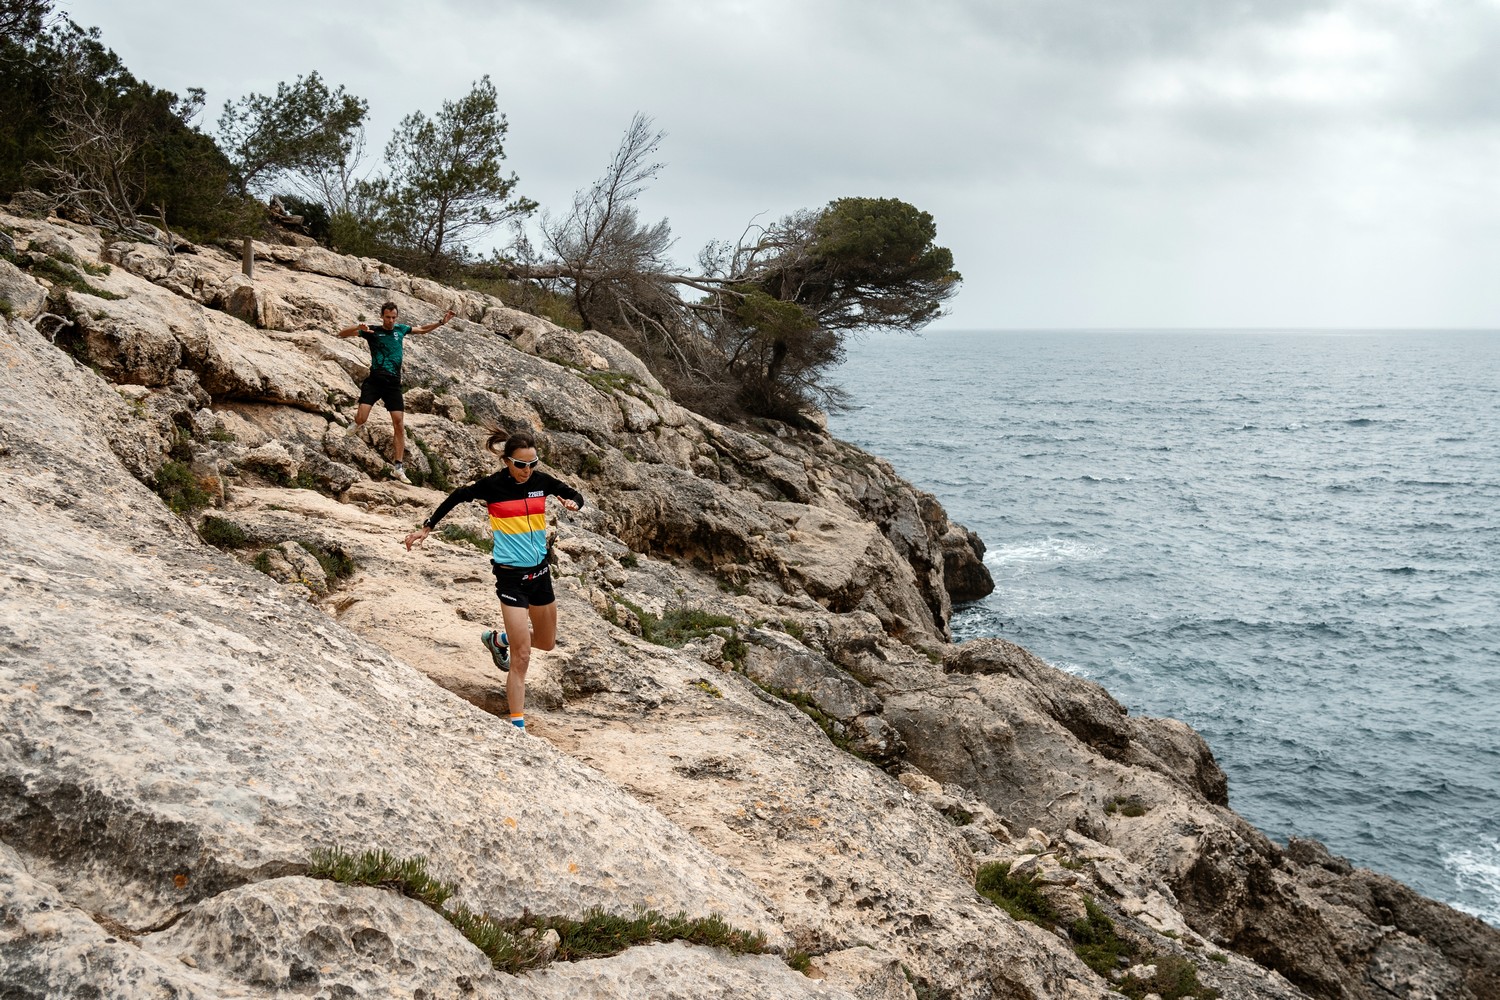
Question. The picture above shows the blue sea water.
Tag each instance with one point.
(1288, 540)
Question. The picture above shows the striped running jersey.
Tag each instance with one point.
(518, 514)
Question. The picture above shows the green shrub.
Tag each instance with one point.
(183, 492)
(1020, 897)
(222, 533)
(1175, 979)
(1102, 949)
(1126, 806)
(6, 309)
(1096, 943)
(629, 560)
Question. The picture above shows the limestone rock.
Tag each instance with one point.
(22, 293)
(312, 935)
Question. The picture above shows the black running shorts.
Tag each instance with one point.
(384, 388)
(523, 588)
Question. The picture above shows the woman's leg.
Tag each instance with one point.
(544, 626)
(518, 635)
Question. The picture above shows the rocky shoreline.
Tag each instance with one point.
(803, 752)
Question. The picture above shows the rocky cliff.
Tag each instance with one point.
(754, 713)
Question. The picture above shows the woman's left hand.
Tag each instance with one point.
(417, 537)
(567, 503)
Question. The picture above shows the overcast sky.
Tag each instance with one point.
(1091, 163)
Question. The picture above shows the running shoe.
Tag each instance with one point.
(498, 647)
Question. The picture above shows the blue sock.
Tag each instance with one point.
(519, 721)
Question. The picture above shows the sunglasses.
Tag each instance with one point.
(525, 465)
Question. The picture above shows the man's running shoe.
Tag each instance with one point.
(398, 473)
(498, 647)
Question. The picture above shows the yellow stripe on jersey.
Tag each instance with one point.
(519, 525)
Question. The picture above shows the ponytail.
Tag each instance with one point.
(506, 443)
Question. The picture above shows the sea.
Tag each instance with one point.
(1288, 539)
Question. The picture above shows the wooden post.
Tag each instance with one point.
(249, 264)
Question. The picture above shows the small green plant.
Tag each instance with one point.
(220, 434)
(794, 629)
(677, 626)
(1102, 949)
(514, 945)
(182, 445)
(380, 868)
(183, 492)
(590, 464)
(337, 564)
(1175, 978)
(6, 309)
(440, 470)
(958, 815)
(1019, 896)
(1218, 956)
(609, 380)
(734, 651)
(706, 687)
(732, 585)
(629, 560)
(262, 561)
(1126, 806)
(222, 533)
(465, 535)
(800, 961)
(63, 276)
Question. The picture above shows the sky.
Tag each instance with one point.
(1091, 163)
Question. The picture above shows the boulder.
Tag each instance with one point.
(22, 295)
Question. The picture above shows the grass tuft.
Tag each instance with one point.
(515, 945)
(468, 536)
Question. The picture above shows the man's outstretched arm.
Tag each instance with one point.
(434, 324)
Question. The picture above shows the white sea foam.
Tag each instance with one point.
(1045, 551)
(1477, 872)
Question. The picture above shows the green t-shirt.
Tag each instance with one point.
(385, 349)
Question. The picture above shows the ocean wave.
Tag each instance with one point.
(1088, 478)
(1047, 550)
(1360, 422)
(1477, 872)
(1401, 570)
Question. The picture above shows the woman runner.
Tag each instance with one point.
(517, 499)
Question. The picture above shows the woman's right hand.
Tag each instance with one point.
(417, 537)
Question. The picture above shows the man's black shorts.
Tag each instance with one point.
(524, 588)
(385, 388)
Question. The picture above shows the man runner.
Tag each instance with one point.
(384, 381)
